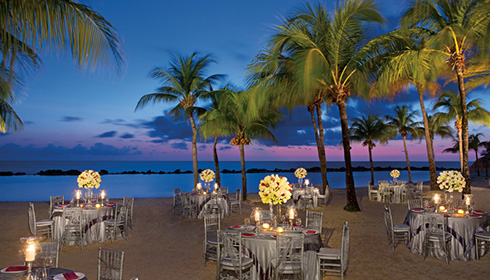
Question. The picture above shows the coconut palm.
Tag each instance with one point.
(31, 27)
(455, 28)
(236, 119)
(368, 130)
(436, 127)
(474, 144)
(8, 117)
(329, 53)
(403, 122)
(183, 83)
(449, 102)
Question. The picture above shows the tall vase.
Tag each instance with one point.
(89, 194)
(300, 181)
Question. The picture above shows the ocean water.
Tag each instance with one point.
(39, 188)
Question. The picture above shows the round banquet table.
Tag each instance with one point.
(204, 202)
(261, 248)
(53, 271)
(93, 219)
(462, 230)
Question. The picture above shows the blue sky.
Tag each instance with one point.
(71, 114)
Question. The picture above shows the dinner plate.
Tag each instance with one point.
(61, 277)
(474, 216)
(236, 227)
(310, 231)
(247, 234)
(479, 212)
(418, 210)
(4, 270)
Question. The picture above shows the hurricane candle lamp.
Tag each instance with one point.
(30, 249)
(307, 182)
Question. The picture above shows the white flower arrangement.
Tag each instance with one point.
(451, 181)
(300, 173)
(395, 173)
(207, 175)
(89, 179)
(274, 189)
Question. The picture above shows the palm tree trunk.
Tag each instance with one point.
(244, 175)
(319, 147)
(464, 124)
(460, 138)
(406, 156)
(323, 159)
(349, 176)
(370, 149)
(477, 165)
(216, 161)
(428, 144)
(194, 149)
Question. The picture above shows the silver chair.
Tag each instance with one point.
(39, 227)
(314, 220)
(482, 241)
(54, 201)
(414, 203)
(129, 203)
(117, 226)
(74, 226)
(372, 192)
(322, 198)
(212, 224)
(266, 217)
(236, 204)
(289, 256)
(110, 265)
(335, 260)
(436, 235)
(396, 233)
(177, 201)
(232, 263)
(50, 253)
(306, 199)
(189, 208)
(224, 190)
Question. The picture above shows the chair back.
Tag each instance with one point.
(54, 201)
(110, 265)
(266, 216)
(73, 215)
(177, 192)
(238, 195)
(389, 224)
(224, 190)
(414, 203)
(420, 186)
(128, 202)
(436, 224)
(212, 224)
(50, 250)
(314, 220)
(289, 254)
(296, 185)
(32, 219)
(382, 182)
(344, 253)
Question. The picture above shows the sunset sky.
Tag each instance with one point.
(71, 114)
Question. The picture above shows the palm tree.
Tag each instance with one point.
(236, 118)
(367, 130)
(29, 27)
(403, 122)
(8, 117)
(436, 127)
(450, 102)
(474, 144)
(183, 83)
(455, 28)
(329, 53)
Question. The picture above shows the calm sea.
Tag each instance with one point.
(39, 188)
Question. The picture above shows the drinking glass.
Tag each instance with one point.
(40, 274)
(48, 264)
(298, 222)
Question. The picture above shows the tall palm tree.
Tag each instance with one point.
(183, 83)
(329, 53)
(455, 28)
(236, 117)
(450, 102)
(436, 127)
(8, 117)
(29, 27)
(474, 144)
(403, 122)
(368, 130)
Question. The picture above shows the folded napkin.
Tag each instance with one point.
(458, 208)
(474, 216)
(480, 212)
(274, 236)
(310, 231)
(16, 268)
(295, 225)
(70, 275)
(236, 227)
(65, 204)
(248, 234)
(417, 210)
(84, 207)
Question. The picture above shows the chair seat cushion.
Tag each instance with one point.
(483, 235)
(44, 222)
(329, 253)
(401, 228)
(227, 263)
(437, 236)
(213, 240)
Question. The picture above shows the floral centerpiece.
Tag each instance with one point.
(89, 179)
(207, 175)
(274, 189)
(395, 174)
(300, 173)
(451, 181)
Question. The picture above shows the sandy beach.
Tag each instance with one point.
(165, 246)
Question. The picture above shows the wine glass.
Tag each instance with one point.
(298, 222)
(48, 264)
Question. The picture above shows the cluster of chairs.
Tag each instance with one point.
(384, 193)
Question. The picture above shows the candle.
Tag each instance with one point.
(266, 225)
(307, 182)
(291, 214)
(436, 199)
(97, 206)
(204, 193)
(280, 230)
(460, 211)
(198, 186)
(216, 186)
(102, 195)
(30, 253)
(257, 216)
(77, 193)
(468, 201)
(442, 208)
